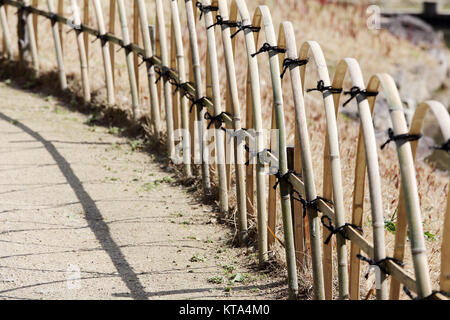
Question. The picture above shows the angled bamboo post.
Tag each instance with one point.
(233, 97)
(58, 49)
(34, 3)
(129, 58)
(332, 167)
(371, 156)
(161, 23)
(254, 108)
(32, 39)
(81, 51)
(112, 30)
(263, 17)
(6, 34)
(86, 35)
(60, 25)
(182, 79)
(148, 53)
(200, 123)
(136, 41)
(105, 51)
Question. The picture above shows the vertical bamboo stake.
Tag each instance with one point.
(105, 51)
(112, 30)
(148, 47)
(129, 58)
(201, 128)
(60, 25)
(136, 42)
(175, 93)
(233, 97)
(34, 3)
(161, 23)
(58, 49)
(182, 79)
(31, 35)
(6, 35)
(86, 35)
(219, 134)
(81, 52)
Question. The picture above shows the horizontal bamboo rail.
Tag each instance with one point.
(283, 56)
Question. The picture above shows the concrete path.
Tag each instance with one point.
(84, 216)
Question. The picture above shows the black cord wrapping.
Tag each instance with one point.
(163, 72)
(205, 9)
(283, 177)
(146, 60)
(308, 204)
(400, 137)
(127, 47)
(217, 120)
(51, 17)
(430, 297)
(262, 155)
(355, 91)
(288, 62)
(340, 229)
(23, 9)
(322, 88)
(221, 22)
(444, 147)
(102, 37)
(247, 27)
(380, 264)
(197, 102)
(266, 47)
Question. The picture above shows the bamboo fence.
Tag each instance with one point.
(303, 211)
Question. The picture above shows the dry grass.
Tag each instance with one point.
(341, 30)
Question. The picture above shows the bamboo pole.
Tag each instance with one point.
(60, 25)
(86, 35)
(175, 93)
(32, 40)
(112, 30)
(34, 3)
(233, 98)
(58, 49)
(219, 134)
(332, 167)
(136, 41)
(370, 148)
(6, 34)
(167, 87)
(263, 17)
(105, 51)
(254, 109)
(182, 79)
(148, 47)
(196, 67)
(81, 52)
(129, 58)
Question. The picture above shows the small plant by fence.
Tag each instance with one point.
(309, 220)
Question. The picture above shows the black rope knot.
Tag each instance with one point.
(197, 102)
(322, 88)
(246, 27)
(308, 204)
(283, 177)
(266, 47)
(216, 120)
(205, 9)
(103, 38)
(288, 62)
(128, 48)
(355, 91)
(163, 72)
(221, 22)
(340, 230)
(262, 155)
(444, 147)
(380, 264)
(52, 18)
(401, 137)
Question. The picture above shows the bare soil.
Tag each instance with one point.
(84, 215)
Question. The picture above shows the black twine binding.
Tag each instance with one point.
(380, 264)
(355, 91)
(127, 47)
(340, 229)
(283, 177)
(163, 72)
(324, 89)
(444, 147)
(430, 297)
(308, 204)
(51, 17)
(197, 102)
(288, 62)
(401, 137)
(246, 27)
(217, 120)
(221, 22)
(205, 9)
(102, 37)
(266, 47)
(262, 155)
